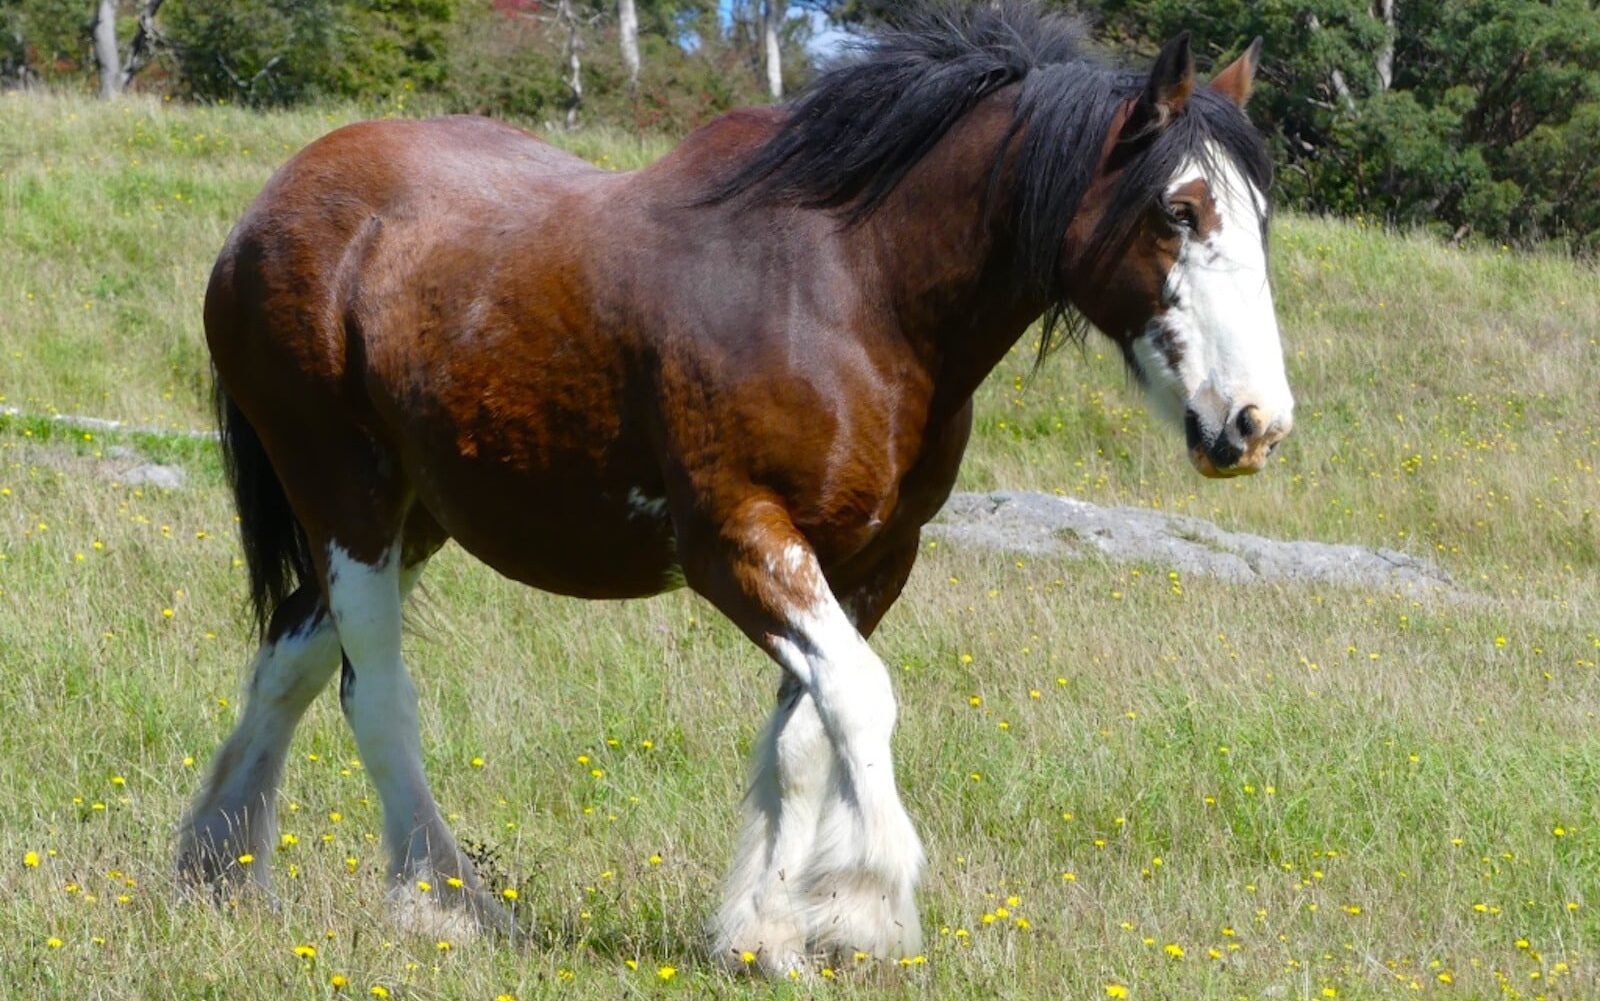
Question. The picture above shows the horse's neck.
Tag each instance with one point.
(958, 296)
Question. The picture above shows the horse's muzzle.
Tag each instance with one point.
(1240, 448)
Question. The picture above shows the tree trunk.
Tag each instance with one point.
(569, 17)
(1340, 87)
(1385, 9)
(105, 49)
(628, 32)
(771, 20)
(144, 43)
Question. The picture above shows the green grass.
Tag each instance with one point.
(1346, 790)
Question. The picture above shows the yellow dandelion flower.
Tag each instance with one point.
(1174, 950)
(655, 859)
(747, 957)
(379, 991)
(666, 972)
(53, 942)
(454, 882)
(1116, 991)
(509, 893)
(424, 885)
(30, 860)
(246, 858)
(306, 951)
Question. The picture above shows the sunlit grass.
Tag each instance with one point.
(1130, 785)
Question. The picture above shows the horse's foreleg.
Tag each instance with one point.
(853, 890)
(841, 919)
(228, 832)
(763, 916)
(431, 881)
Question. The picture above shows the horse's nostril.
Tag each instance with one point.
(1191, 428)
(1246, 423)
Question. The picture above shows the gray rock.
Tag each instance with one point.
(152, 474)
(1018, 521)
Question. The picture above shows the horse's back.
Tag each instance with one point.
(366, 206)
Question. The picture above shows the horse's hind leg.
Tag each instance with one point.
(229, 831)
(432, 883)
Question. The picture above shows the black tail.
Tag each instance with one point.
(275, 548)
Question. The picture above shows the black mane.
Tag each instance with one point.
(861, 127)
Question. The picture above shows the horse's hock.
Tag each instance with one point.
(1020, 521)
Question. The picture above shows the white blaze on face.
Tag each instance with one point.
(1219, 322)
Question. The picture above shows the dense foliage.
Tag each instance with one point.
(508, 57)
(1467, 116)
(1473, 118)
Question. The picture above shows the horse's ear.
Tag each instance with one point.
(1171, 83)
(1236, 82)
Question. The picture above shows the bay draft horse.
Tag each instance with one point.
(747, 368)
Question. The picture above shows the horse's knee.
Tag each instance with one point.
(295, 661)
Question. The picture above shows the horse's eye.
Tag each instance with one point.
(1182, 215)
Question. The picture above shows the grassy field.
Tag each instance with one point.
(1129, 785)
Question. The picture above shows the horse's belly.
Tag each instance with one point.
(587, 544)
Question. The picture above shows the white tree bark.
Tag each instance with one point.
(628, 33)
(771, 20)
(569, 17)
(105, 49)
(1340, 87)
(144, 43)
(1385, 9)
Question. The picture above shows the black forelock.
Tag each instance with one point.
(856, 132)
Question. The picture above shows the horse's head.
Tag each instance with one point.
(1169, 259)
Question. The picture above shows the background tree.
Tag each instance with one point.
(628, 36)
(42, 41)
(117, 69)
(773, 14)
(1462, 116)
(1470, 117)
